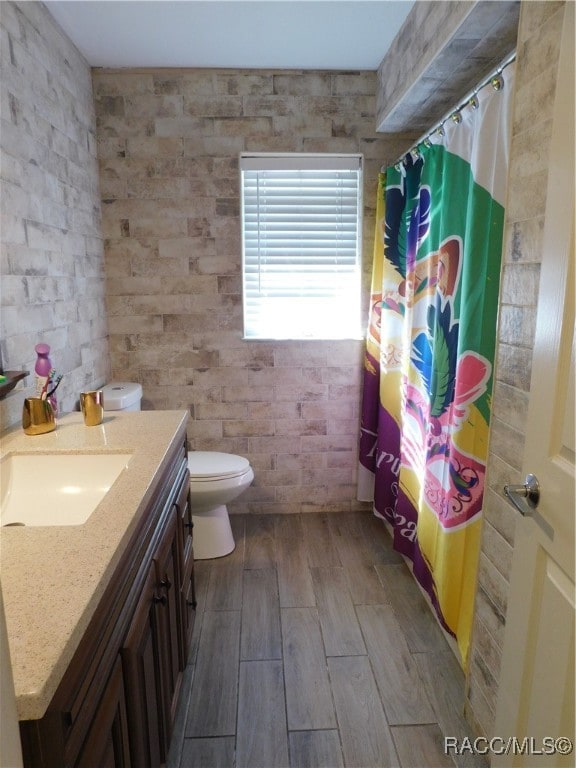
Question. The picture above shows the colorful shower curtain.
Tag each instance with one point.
(430, 349)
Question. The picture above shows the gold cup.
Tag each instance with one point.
(92, 406)
(37, 416)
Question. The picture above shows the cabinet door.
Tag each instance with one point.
(141, 660)
(188, 601)
(152, 655)
(107, 744)
(182, 504)
(187, 592)
(167, 566)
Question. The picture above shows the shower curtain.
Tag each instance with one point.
(430, 348)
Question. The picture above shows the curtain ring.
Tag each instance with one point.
(474, 103)
(456, 117)
(497, 82)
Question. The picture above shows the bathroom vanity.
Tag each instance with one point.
(100, 615)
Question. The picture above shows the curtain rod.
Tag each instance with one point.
(454, 114)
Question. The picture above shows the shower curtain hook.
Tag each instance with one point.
(497, 82)
(474, 103)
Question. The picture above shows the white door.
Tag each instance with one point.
(536, 694)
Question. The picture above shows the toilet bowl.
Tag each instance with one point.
(215, 480)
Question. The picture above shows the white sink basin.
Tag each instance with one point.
(56, 488)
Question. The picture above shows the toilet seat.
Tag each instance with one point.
(213, 466)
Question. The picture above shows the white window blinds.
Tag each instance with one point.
(301, 219)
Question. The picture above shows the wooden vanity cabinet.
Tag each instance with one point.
(116, 703)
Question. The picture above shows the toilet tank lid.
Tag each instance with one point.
(121, 394)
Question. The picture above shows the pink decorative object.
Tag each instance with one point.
(43, 364)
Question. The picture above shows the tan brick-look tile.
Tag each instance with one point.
(53, 261)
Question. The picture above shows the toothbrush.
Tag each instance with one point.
(55, 387)
(43, 394)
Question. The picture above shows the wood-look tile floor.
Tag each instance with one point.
(314, 648)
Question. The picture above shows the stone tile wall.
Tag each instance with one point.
(52, 284)
(536, 73)
(442, 52)
(427, 29)
(169, 142)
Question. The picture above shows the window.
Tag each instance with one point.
(301, 228)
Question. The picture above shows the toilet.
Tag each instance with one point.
(122, 396)
(215, 480)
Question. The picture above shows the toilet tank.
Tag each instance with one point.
(122, 396)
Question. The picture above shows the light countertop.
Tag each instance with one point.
(53, 577)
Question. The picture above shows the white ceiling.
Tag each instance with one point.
(267, 34)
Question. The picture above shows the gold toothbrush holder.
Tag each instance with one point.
(37, 416)
(92, 407)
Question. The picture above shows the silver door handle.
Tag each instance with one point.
(529, 493)
(525, 498)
